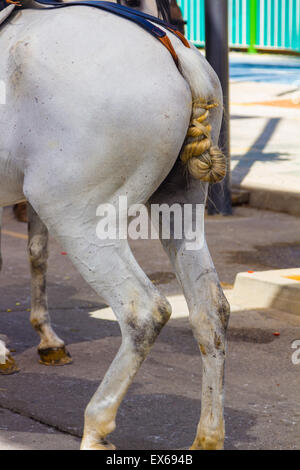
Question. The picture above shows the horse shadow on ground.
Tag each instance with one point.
(256, 153)
(76, 325)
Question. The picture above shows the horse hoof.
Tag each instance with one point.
(10, 366)
(55, 356)
(103, 444)
(206, 443)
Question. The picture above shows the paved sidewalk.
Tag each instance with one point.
(265, 123)
(18, 432)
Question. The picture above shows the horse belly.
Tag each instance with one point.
(11, 177)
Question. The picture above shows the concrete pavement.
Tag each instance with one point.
(42, 407)
(279, 289)
(265, 122)
(18, 432)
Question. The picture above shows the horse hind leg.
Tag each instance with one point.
(51, 349)
(142, 312)
(209, 319)
(111, 269)
(209, 312)
(208, 307)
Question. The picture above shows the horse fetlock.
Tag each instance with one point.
(208, 442)
(51, 350)
(40, 322)
(98, 424)
(210, 439)
(102, 444)
(95, 442)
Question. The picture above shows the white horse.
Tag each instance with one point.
(52, 349)
(97, 109)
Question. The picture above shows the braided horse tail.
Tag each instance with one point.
(204, 160)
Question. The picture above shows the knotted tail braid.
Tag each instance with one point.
(204, 160)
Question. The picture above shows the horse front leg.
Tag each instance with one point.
(209, 314)
(51, 349)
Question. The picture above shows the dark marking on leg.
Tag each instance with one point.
(217, 341)
(205, 272)
(224, 313)
(37, 325)
(165, 312)
(144, 334)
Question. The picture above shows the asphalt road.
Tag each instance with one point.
(42, 407)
